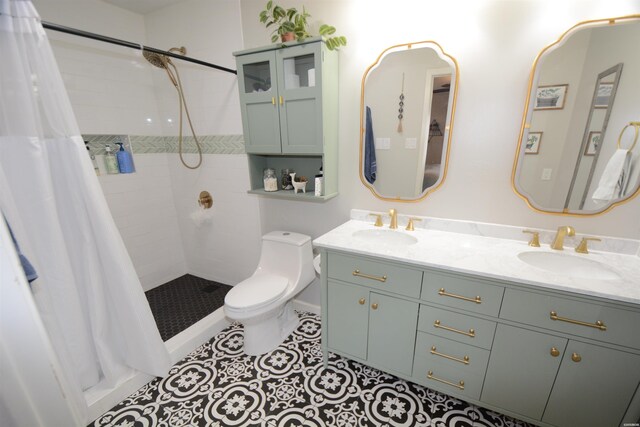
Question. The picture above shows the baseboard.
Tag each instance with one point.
(305, 306)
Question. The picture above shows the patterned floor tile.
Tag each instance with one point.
(217, 385)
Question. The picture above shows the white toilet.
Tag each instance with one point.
(262, 303)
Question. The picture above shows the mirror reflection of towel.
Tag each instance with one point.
(614, 178)
(370, 165)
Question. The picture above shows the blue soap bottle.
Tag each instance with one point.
(125, 162)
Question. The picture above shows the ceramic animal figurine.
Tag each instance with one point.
(298, 185)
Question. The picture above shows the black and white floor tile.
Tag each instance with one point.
(218, 386)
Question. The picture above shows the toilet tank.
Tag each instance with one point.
(288, 254)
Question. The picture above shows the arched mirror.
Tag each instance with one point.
(578, 152)
(407, 109)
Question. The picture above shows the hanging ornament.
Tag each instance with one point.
(401, 106)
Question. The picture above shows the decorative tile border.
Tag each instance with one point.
(145, 144)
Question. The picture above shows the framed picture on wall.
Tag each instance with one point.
(603, 95)
(550, 97)
(533, 143)
(592, 144)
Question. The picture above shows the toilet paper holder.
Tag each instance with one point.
(205, 200)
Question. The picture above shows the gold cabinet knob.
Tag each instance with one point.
(576, 357)
(361, 301)
(554, 352)
(374, 306)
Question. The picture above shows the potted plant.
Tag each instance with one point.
(292, 25)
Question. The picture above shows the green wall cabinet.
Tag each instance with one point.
(289, 106)
(547, 357)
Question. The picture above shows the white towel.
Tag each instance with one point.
(613, 180)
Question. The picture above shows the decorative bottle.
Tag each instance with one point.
(110, 161)
(270, 180)
(125, 162)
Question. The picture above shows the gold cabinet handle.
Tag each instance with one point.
(576, 357)
(361, 301)
(460, 384)
(273, 100)
(281, 100)
(443, 293)
(471, 333)
(554, 352)
(374, 306)
(367, 276)
(464, 360)
(598, 325)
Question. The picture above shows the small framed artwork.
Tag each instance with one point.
(533, 143)
(603, 95)
(550, 97)
(592, 144)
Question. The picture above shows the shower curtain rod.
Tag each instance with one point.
(137, 46)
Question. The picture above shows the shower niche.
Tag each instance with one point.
(289, 103)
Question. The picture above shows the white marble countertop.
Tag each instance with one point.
(490, 257)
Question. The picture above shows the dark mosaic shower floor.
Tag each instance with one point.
(180, 303)
(217, 385)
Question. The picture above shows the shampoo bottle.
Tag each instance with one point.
(125, 162)
(110, 161)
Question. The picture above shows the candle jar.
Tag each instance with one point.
(270, 180)
(286, 179)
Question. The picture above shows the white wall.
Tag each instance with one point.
(114, 90)
(495, 43)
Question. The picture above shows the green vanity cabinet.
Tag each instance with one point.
(548, 357)
(289, 106)
(522, 363)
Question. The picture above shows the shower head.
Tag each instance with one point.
(161, 61)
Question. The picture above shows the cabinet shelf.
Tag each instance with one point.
(290, 195)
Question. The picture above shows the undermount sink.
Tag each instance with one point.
(385, 237)
(568, 265)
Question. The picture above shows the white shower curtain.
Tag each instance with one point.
(88, 292)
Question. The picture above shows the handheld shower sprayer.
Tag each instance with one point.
(164, 62)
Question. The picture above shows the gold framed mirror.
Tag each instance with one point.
(407, 108)
(580, 121)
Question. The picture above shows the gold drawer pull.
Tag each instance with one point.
(374, 306)
(281, 100)
(471, 333)
(460, 384)
(361, 301)
(554, 352)
(273, 100)
(576, 357)
(598, 325)
(367, 276)
(477, 299)
(464, 360)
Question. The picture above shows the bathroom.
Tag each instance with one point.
(113, 92)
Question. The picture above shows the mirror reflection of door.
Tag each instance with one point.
(435, 120)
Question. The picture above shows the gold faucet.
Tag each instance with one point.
(562, 232)
(394, 219)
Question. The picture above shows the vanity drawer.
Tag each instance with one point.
(469, 294)
(619, 326)
(375, 274)
(442, 373)
(469, 360)
(455, 326)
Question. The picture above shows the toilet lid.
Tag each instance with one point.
(256, 291)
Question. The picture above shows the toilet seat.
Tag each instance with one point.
(257, 291)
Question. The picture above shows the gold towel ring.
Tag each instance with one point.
(636, 126)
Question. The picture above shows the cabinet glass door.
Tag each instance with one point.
(300, 99)
(259, 103)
